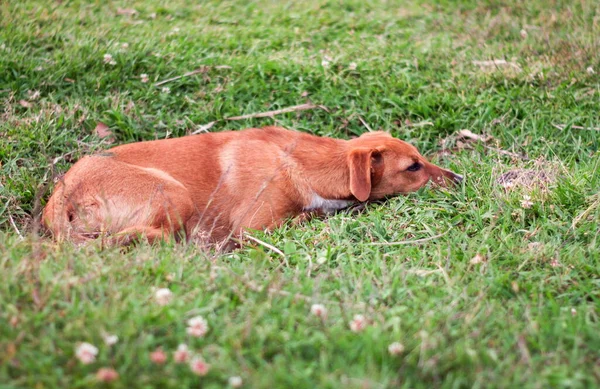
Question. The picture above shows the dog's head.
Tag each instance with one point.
(381, 165)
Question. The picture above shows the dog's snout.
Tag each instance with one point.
(449, 177)
(457, 178)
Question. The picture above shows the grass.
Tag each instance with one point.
(526, 316)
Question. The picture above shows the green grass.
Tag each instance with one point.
(528, 316)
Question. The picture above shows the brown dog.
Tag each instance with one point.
(218, 184)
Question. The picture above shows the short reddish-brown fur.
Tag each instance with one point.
(216, 185)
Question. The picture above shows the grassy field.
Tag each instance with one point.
(508, 296)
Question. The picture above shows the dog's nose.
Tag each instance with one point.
(452, 177)
(457, 178)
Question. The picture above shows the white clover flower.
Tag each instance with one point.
(163, 296)
(199, 366)
(478, 258)
(110, 339)
(197, 327)
(158, 356)
(235, 382)
(108, 59)
(107, 374)
(34, 94)
(86, 353)
(182, 354)
(358, 323)
(395, 348)
(526, 202)
(319, 310)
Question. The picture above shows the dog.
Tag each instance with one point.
(214, 186)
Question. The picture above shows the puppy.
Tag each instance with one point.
(216, 185)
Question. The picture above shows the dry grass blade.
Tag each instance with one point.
(509, 153)
(295, 108)
(523, 349)
(419, 124)
(60, 157)
(204, 128)
(126, 11)
(563, 126)
(404, 242)
(464, 137)
(14, 226)
(471, 135)
(595, 205)
(365, 124)
(497, 63)
(193, 72)
(265, 244)
(288, 294)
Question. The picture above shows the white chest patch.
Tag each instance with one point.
(318, 203)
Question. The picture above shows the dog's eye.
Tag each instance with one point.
(414, 167)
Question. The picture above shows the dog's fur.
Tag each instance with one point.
(218, 184)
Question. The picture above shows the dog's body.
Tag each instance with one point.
(218, 184)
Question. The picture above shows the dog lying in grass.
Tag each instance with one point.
(217, 185)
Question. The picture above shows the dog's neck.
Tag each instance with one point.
(324, 167)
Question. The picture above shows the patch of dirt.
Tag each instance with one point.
(541, 176)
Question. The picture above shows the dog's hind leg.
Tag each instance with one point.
(112, 200)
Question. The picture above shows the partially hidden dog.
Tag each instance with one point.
(214, 186)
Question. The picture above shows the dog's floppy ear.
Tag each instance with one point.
(364, 163)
